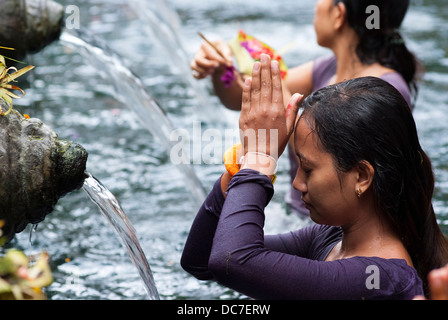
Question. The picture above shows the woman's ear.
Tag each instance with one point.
(339, 15)
(365, 173)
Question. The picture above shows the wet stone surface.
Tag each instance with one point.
(36, 169)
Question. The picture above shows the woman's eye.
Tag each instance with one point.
(306, 171)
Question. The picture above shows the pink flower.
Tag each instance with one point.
(228, 76)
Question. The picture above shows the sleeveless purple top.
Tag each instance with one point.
(323, 70)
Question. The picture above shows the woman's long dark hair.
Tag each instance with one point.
(368, 119)
(384, 45)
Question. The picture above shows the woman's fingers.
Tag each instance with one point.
(245, 106)
(277, 92)
(213, 55)
(225, 50)
(207, 59)
(438, 283)
(263, 112)
(266, 82)
(255, 86)
(201, 72)
(291, 111)
(202, 66)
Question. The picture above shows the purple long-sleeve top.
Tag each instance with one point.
(227, 244)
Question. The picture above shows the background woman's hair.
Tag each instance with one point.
(384, 45)
(368, 119)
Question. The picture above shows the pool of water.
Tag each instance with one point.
(87, 258)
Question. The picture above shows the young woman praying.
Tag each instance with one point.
(364, 178)
(357, 50)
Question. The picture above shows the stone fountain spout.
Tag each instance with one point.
(29, 25)
(36, 170)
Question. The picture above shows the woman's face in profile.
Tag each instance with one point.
(323, 22)
(329, 195)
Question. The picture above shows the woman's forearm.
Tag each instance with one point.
(198, 246)
(230, 96)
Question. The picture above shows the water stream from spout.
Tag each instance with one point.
(111, 210)
(130, 90)
(161, 24)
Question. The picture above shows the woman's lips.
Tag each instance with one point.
(307, 204)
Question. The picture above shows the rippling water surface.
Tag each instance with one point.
(88, 260)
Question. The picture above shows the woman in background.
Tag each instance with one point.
(357, 51)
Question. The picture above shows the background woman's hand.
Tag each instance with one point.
(438, 284)
(207, 60)
(265, 124)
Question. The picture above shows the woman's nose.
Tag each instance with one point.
(299, 182)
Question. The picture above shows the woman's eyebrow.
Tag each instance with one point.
(302, 157)
(306, 160)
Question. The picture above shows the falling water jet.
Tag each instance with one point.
(168, 15)
(38, 168)
(111, 209)
(32, 230)
(130, 90)
(159, 26)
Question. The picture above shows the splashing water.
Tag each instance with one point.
(130, 90)
(161, 23)
(158, 27)
(111, 210)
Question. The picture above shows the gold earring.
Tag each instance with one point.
(358, 193)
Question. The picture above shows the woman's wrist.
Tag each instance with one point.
(260, 162)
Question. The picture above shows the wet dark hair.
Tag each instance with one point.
(384, 45)
(368, 119)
